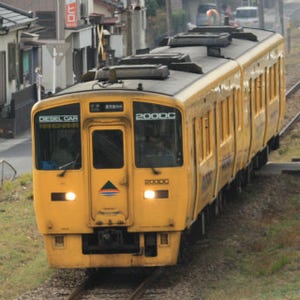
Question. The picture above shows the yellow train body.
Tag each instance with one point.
(124, 199)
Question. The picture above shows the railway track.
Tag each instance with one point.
(290, 92)
(292, 167)
(115, 284)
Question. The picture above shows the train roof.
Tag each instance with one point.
(171, 68)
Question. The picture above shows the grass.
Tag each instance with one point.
(289, 148)
(266, 262)
(23, 263)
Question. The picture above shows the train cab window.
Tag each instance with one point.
(157, 136)
(57, 138)
(108, 149)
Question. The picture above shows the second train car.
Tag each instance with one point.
(125, 164)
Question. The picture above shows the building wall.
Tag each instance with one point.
(11, 37)
(27, 5)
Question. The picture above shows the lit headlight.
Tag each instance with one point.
(70, 196)
(149, 194)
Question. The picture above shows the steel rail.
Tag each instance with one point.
(288, 94)
(140, 290)
(289, 124)
(137, 293)
(293, 89)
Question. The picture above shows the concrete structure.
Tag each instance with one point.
(19, 57)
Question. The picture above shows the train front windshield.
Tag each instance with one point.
(157, 136)
(57, 138)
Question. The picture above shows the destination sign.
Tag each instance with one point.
(106, 107)
(59, 119)
(155, 116)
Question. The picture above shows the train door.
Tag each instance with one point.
(109, 175)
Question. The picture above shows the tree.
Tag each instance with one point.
(152, 6)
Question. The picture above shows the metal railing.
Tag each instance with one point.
(7, 171)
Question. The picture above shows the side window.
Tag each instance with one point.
(277, 79)
(259, 93)
(203, 129)
(225, 126)
(3, 77)
(238, 106)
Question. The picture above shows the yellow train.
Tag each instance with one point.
(125, 164)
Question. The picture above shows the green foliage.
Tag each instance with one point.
(161, 3)
(156, 28)
(18, 189)
(23, 263)
(179, 20)
(279, 264)
(152, 6)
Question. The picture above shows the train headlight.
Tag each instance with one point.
(149, 194)
(70, 196)
(157, 194)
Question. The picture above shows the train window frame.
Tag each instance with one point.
(266, 90)
(58, 128)
(223, 120)
(226, 126)
(276, 81)
(258, 94)
(238, 106)
(272, 82)
(152, 125)
(206, 129)
(111, 146)
(262, 91)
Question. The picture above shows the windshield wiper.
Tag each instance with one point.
(65, 166)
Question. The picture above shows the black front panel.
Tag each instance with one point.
(110, 240)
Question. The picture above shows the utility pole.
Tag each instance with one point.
(261, 14)
(281, 16)
(169, 17)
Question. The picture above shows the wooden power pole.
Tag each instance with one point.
(261, 14)
(169, 17)
(281, 16)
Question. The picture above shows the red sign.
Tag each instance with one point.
(71, 14)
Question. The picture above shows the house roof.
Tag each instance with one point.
(111, 4)
(13, 18)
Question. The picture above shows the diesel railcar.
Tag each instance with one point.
(127, 163)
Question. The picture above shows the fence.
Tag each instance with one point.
(7, 172)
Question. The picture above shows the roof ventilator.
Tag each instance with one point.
(235, 32)
(147, 71)
(155, 58)
(174, 61)
(216, 29)
(222, 39)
